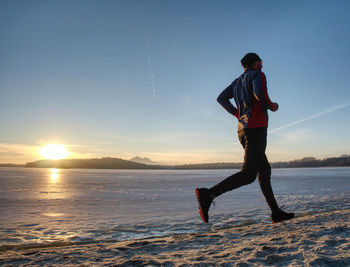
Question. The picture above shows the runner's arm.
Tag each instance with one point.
(260, 91)
(224, 101)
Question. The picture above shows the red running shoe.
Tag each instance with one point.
(204, 202)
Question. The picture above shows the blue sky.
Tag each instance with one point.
(127, 78)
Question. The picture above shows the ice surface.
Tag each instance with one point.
(45, 207)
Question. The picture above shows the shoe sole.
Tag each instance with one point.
(200, 208)
(282, 220)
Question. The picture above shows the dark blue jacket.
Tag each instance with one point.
(250, 94)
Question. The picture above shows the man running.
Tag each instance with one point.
(250, 94)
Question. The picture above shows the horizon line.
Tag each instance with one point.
(104, 157)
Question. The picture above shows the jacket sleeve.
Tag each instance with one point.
(224, 101)
(260, 90)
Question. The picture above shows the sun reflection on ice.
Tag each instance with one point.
(53, 214)
(54, 186)
(54, 175)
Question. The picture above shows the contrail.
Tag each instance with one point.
(151, 72)
(328, 110)
(227, 147)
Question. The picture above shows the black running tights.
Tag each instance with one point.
(255, 163)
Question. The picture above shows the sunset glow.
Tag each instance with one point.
(54, 151)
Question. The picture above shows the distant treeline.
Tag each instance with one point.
(11, 165)
(342, 161)
(102, 163)
(217, 165)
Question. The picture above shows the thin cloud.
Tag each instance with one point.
(212, 115)
(17, 153)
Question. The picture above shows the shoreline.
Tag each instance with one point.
(171, 169)
(321, 239)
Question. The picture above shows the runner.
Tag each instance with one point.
(250, 94)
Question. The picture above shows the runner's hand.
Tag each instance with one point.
(274, 107)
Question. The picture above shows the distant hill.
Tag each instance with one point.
(102, 163)
(143, 160)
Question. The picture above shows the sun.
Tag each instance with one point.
(54, 151)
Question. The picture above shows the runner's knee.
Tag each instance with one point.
(250, 176)
(265, 172)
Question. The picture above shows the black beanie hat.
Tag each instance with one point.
(249, 59)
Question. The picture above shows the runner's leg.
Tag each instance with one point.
(264, 178)
(249, 168)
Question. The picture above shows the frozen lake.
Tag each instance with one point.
(49, 206)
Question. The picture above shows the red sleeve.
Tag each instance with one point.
(260, 90)
(264, 90)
